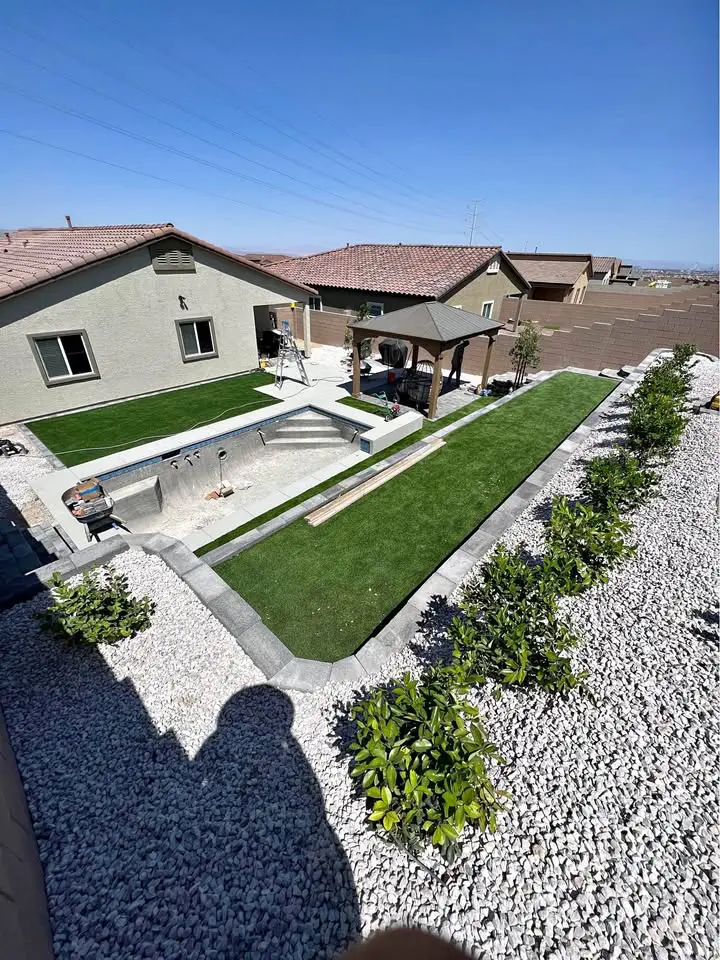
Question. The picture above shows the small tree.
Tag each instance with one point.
(525, 352)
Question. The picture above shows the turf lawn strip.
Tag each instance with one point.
(323, 590)
(122, 425)
(427, 428)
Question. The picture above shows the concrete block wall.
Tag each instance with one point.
(24, 921)
(590, 335)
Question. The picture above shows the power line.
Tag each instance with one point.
(193, 67)
(181, 107)
(207, 163)
(174, 183)
(186, 132)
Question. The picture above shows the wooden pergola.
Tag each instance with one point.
(436, 327)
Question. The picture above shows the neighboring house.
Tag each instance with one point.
(605, 269)
(387, 277)
(264, 259)
(561, 277)
(626, 275)
(92, 314)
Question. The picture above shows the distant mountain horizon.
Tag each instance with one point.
(682, 265)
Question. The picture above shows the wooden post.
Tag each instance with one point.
(415, 352)
(435, 386)
(307, 337)
(517, 314)
(356, 367)
(486, 366)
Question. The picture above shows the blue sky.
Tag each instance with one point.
(577, 127)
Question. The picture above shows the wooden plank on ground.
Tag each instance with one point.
(367, 486)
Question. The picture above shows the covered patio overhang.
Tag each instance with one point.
(436, 327)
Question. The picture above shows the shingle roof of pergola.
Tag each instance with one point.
(431, 321)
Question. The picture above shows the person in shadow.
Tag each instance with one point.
(456, 364)
(280, 869)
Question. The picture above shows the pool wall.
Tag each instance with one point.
(144, 461)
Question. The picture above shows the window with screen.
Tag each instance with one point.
(64, 356)
(197, 338)
(487, 309)
(315, 303)
(375, 309)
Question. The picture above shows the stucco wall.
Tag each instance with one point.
(335, 298)
(129, 314)
(487, 286)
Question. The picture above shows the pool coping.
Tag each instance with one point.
(276, 661)
(51, 486)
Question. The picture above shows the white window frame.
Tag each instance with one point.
(192, 357)
(317, 300)
(487, 303)
(494, 267)
(375, 303)
(69, 377)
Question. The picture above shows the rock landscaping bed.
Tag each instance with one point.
(182, 812)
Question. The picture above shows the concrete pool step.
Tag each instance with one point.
(307, 440)
(314, 429)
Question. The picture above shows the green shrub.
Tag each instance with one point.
(582, 544)
(511, 631)
(666, 378)
(655, 425)
(421, 757)
(684, 352)
(98, 609)
(617, 482)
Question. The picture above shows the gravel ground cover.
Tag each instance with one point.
(16, 494)
(179, 814)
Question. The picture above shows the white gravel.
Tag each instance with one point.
(16, 472)
(178, 817)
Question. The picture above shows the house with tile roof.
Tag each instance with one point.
(96, 314)
(384, 277)
(605, 269)
(560, 277)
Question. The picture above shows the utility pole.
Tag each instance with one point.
(472, 225)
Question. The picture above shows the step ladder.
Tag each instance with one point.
(288, 353)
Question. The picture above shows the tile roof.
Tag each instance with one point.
(603, 264)
(416, 270)
(559, 268)
(429, 321)
(35, 255)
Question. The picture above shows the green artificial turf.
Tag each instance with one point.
(427, 428)
(323, 590)
(363, 405)
(77, 437)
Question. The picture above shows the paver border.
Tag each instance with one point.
(281, 667)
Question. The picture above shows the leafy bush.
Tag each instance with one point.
(684, 352)
(655, 425)
(582, 544)
(512, 632)
(96, 610)
(617, 482)
(666, 378)
(421, 754)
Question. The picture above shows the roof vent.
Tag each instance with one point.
(68, 221)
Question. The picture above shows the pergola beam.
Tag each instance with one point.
(435, 386)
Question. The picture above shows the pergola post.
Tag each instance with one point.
(415, 352)
(435, 386)
(486, 365)
(356, 366)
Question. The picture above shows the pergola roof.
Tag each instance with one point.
(424, 322)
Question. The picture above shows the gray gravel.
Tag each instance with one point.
(16, 494)
(178, 816)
